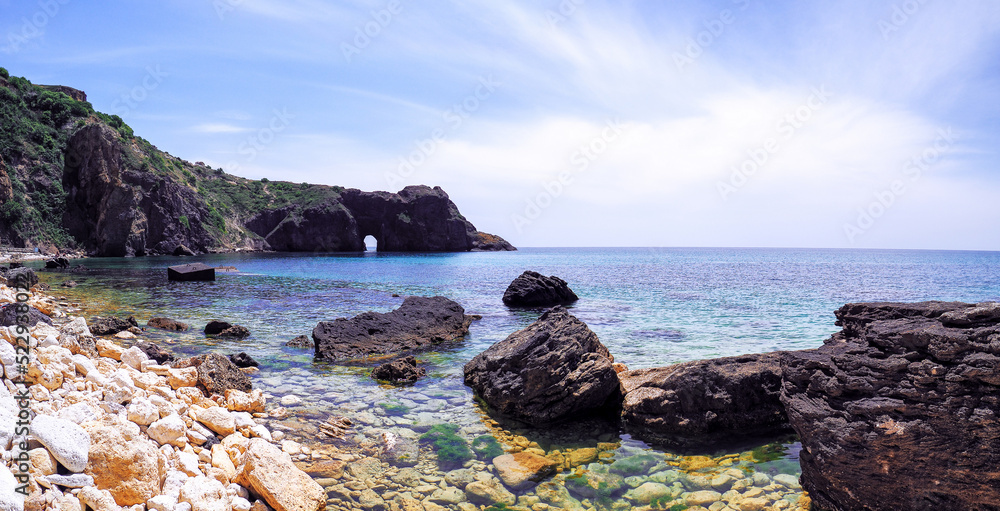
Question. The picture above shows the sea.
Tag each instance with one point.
(650, 306)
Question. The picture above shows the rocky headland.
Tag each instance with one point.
(94, 186)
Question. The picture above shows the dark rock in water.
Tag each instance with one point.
(111, 326)
(69, 283)
(217, 373)
(241, 360)
(899, 410)
(21, 277)
(235, 332)
(706, 401)
(404, 370)
(533, 289)
(191, 273)
(14, 265)
(216, 327)
(302, 341)
(57, 263)
(181, 250)
(8, 316)
(154, 352)
(555, 369)
(485, 242)
(168, 324)
(419, 323)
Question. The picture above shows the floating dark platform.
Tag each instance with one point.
(191, 272)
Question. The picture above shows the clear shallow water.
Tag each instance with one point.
(651, 307)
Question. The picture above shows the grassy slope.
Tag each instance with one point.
(35, 126)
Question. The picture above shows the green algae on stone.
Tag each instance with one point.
(450, 448)
(635, 465)
(487, 447)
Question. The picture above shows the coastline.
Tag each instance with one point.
(356, 473)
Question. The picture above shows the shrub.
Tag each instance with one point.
(264, 180)
(184, 221)
(4, 73)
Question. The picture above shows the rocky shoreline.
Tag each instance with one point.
(113, 429)
(159, 441)
(124, 426)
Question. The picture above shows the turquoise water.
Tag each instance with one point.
(651, 307)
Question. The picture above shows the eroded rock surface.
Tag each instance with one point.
(555, 369)
(706, 401)
(532, 289)
(419, 323)
(899, 410)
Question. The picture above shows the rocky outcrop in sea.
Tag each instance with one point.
(553, 370)
(532, 289)
(706, 402)
(420, 323)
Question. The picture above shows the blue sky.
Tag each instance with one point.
(868, 124)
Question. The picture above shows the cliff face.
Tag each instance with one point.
(118, 211)
(73, 178)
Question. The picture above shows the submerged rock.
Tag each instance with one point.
(899, 410)
(302, 341)
(404, 370)
(168, 324)
(419, 323)
(523, 469)
(554, 369)
(706, 401)
(533, 289)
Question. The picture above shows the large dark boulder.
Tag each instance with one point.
(217, 374)
(8, 316)
(21, 276)
(420, 323)
(533, 289)
(155, 352)
(899, 410)
(216, 327)
(706, 401)
(111, 325)
(242, 360)
(555, 369)
(402, 371)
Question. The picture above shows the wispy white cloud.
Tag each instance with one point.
(218, 127)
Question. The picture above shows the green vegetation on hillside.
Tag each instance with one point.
(36, 124)
(36, 127)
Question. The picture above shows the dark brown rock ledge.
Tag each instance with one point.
(899, 410)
